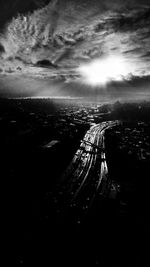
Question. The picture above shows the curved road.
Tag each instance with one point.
(87, 174)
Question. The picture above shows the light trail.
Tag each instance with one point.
(87, 174)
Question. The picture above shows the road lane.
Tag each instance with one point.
(87, 174)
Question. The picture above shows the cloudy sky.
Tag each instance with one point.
(75, 48)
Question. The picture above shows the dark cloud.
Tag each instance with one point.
(2, 49)
(10, 9)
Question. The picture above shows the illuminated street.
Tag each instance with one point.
(87, 175)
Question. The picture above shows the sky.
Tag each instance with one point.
(75, 48)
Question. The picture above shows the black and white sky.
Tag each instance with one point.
(44, 45)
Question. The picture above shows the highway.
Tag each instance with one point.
(87, 174)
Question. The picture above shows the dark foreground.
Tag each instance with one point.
(114, 231)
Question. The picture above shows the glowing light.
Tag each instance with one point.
(101, 71)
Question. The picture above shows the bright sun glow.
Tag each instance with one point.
(101, 71)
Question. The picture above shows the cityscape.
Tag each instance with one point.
(96, 185)
(75, 132)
